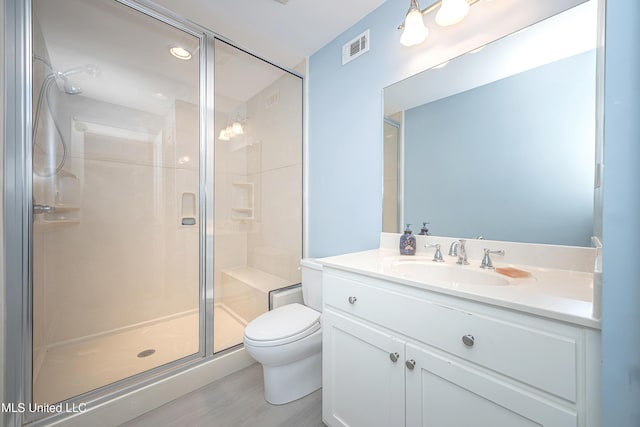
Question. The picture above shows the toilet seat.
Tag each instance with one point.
(283, 325)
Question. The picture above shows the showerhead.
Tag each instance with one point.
(90, 69)
(69, 87)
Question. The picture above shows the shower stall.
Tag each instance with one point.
(162, 180)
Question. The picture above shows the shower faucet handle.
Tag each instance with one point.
(43, 209)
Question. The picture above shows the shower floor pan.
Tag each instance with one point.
(77, 367)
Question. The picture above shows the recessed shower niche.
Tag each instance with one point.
(242, 200)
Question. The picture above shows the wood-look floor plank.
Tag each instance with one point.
(236, 400)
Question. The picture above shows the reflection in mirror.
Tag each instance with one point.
(501, 142)
(391, 209)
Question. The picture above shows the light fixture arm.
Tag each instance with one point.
(433, 6)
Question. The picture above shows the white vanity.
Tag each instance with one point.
(407, 341)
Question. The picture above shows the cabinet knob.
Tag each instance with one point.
(352, 300)
(468, 340)
(394, 357)
(410, 364)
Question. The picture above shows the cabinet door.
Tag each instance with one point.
(362, 374)
(444, 392)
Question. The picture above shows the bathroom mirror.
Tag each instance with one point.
(499, 142)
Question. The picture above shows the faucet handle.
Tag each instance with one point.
(486, 259)
(437, 257)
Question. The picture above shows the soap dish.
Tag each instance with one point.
(513, 272)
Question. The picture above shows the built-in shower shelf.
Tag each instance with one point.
(242, 200)
(62, 214)
(54, 224)
(245, 210)
(65, 208)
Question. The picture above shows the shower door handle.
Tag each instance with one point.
(43, 209)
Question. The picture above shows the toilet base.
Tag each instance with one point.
(286, 383)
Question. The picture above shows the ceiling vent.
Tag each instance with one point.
(355, 47)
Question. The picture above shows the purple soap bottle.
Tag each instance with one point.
(408, 242)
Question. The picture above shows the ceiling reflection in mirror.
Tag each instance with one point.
(500, 142)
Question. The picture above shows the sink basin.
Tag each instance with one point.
(425, 271)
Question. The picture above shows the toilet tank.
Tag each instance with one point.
(311, 283)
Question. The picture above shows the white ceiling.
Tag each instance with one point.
(282, 33)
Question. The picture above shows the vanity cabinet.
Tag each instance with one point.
(363, 374)
(397, 355)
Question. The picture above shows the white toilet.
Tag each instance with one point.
(287, 341)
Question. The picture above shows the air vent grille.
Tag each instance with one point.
(355, 47)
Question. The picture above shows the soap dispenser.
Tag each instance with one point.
(408, 242)
(424, 231)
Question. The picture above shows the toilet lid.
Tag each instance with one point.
(282, 325)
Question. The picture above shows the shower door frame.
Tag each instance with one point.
(18, 216)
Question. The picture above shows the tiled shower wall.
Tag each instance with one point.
(127, 259)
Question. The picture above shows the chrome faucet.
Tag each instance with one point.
(462, 253)
(453, 249)
(486, 260)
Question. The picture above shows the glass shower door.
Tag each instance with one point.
(258, 188)
(116, 193)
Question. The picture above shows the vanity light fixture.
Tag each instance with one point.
(414, 30)
(180, 53)
(450, 12)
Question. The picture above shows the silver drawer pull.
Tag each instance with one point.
(468, 340)
(394, 357)
(410, 364)
(352, 300)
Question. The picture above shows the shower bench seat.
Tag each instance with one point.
(245, 291)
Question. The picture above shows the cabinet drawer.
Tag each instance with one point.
(544, 360)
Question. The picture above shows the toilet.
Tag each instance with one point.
(287, 341)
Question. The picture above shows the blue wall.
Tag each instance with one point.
(621, 224)
(516, 171)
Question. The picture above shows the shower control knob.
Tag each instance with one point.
(410, 364)
(468, 340)
(352, 300)
(42, 209)
(394, 357)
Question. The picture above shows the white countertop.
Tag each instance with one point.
(559, 294)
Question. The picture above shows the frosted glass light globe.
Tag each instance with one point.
(451, 12)
(414, 30)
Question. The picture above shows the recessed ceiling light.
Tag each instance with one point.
(180, 53)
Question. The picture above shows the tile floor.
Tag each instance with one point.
(234, 401)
